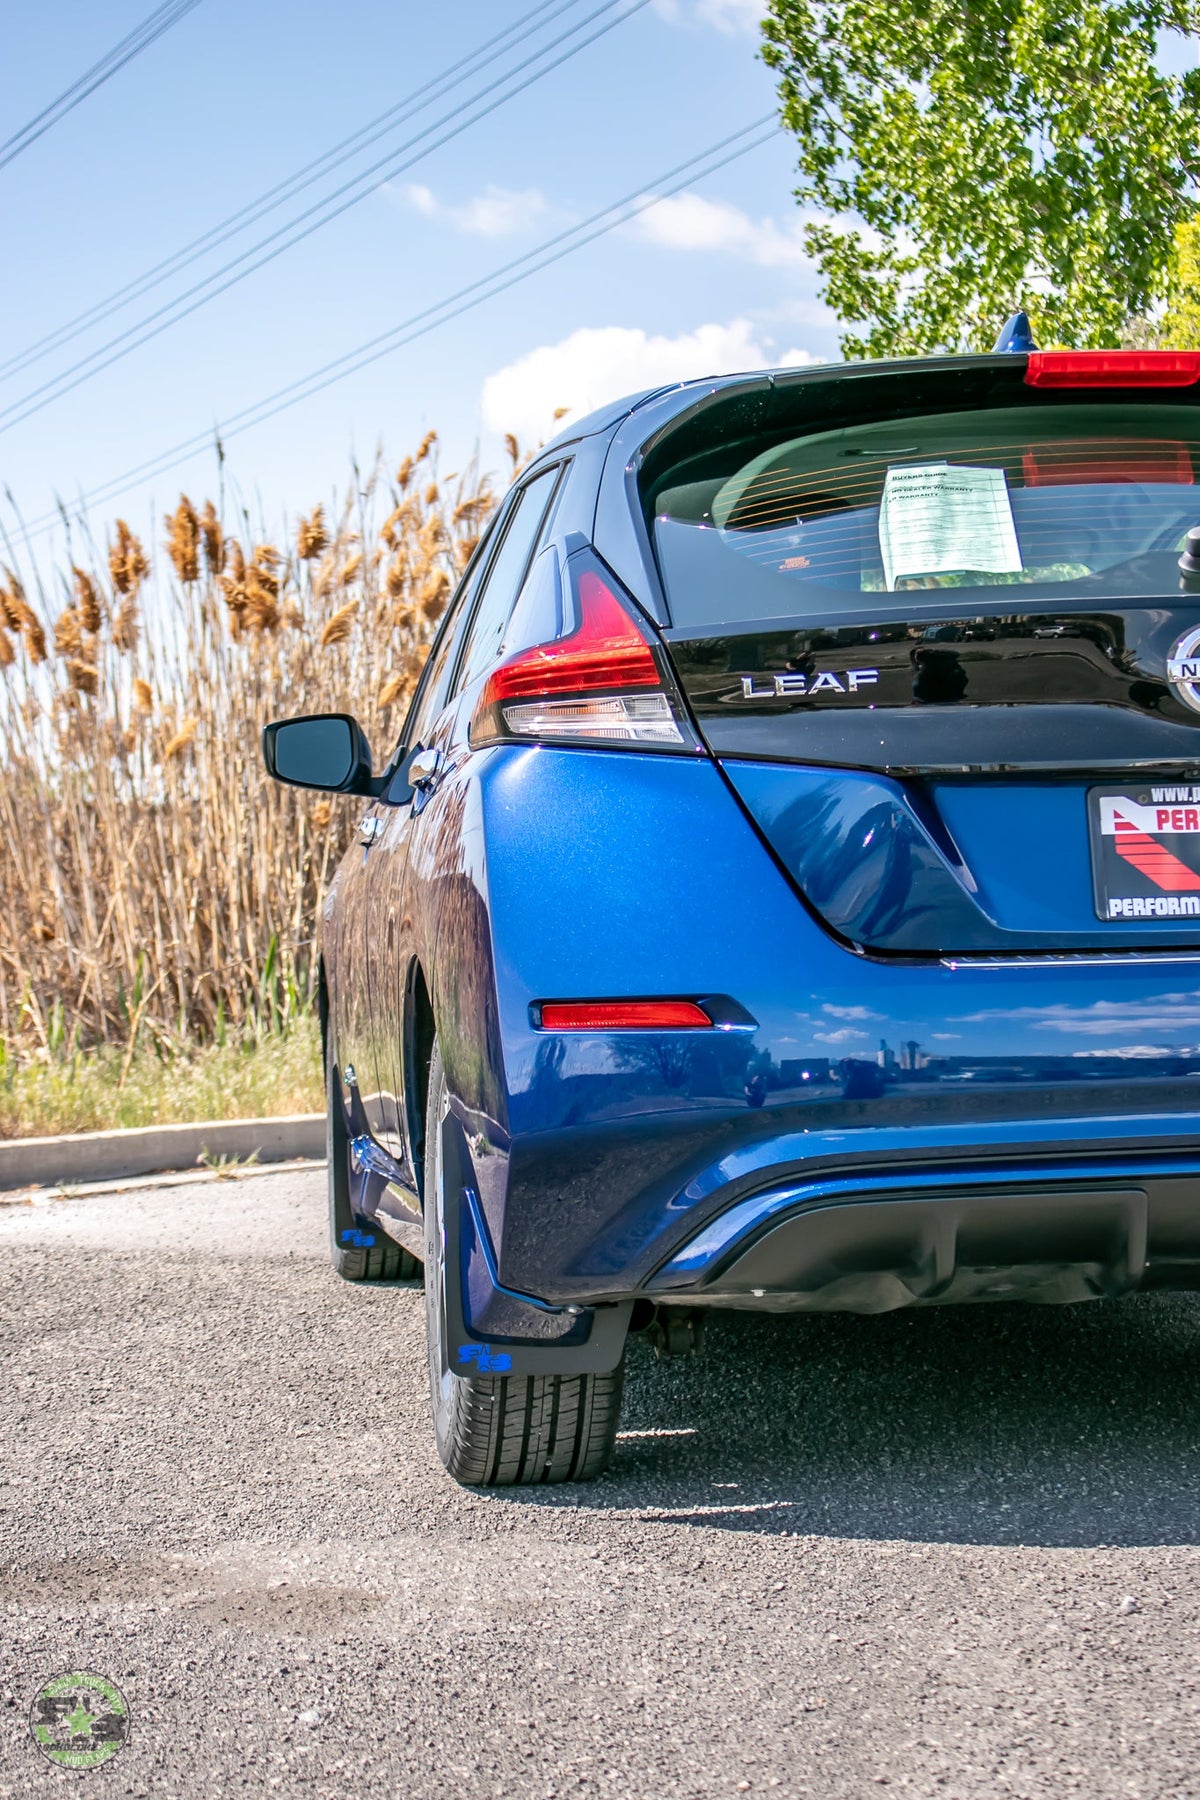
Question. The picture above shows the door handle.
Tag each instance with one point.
(424, 772)
(369, 828)
(425, 768)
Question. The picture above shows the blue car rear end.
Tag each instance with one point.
(798, 898)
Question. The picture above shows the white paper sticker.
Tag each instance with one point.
(937, 519)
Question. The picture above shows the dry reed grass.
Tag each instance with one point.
(154, 886)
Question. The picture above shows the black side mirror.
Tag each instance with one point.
(321, 750)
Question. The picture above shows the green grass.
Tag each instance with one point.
(278, 1072)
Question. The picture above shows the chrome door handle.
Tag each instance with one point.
(425, 768)
(369, 828)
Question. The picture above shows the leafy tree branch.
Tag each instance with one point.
(969, 160)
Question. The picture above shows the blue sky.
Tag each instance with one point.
(239, 95)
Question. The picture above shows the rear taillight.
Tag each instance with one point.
(604, 683)
(1112, 368)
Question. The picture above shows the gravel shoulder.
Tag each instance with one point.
(953, 1554)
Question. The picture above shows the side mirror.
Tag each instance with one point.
(321, 750)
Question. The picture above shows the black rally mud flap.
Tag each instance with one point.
(491, 1329)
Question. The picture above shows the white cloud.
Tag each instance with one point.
(732, 15)
(420, 198)
(729, 16)
(594, 366)
(847, 1035)
(497, 212)
(691, 222)
(861, 1013)
(1103, 1017)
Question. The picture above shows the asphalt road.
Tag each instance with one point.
(946, 1554)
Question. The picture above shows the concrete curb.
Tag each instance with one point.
(116, 1155)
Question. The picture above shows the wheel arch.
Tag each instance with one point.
(323, 1011)
(419, 1032)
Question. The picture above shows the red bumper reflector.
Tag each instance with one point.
(623, 1015)
(1112, 368)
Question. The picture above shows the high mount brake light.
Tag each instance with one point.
(1112, 368)
(623, 1015)
(601, 683)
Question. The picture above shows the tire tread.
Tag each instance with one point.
(384, 1260)
(521, 1430)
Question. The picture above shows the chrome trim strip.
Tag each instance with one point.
(1074, 959)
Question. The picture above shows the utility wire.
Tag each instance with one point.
(395, 163)
(550, 251)
(139, 39)
(421, 97)
(405, 334)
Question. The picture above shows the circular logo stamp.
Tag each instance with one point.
(1183, 668)
(79, 1720)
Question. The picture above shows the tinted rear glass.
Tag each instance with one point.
(1084, 498)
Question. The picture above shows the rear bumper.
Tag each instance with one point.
(1078, 1230)
(600, 1159)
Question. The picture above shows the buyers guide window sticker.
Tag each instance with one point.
(937, 519)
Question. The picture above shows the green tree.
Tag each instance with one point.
(964, 161)
(1181, 326)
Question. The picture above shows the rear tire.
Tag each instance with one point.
(381, 1260)
(504, 1430)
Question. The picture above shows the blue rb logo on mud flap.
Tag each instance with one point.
(486, 1360)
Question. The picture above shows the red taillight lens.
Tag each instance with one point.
(623, 1015)
(1112, 368)
(601, 683)
(606, 651)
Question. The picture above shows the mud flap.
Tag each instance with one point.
(491, 1329)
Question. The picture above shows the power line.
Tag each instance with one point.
(551, 250)
(139, 39)
(339, 153)
(400, 336)
(305, 223)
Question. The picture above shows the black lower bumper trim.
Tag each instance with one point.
(1045, 1244)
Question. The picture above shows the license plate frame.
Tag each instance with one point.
(1144, 847)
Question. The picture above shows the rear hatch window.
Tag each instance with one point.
(1042, 499)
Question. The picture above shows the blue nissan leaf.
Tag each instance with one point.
(785, 893)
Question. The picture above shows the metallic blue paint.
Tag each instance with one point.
(1016, 335)
(952, 867)
(864, 858)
